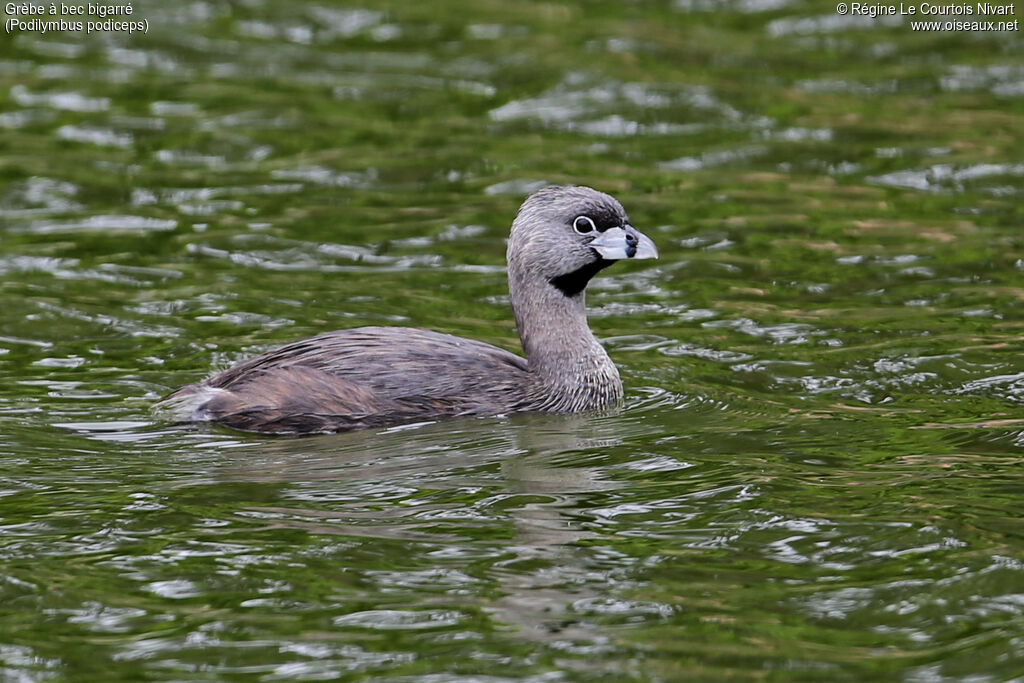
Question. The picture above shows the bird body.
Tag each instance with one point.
(357, 378)
(380, 376)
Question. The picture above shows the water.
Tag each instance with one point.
(817, 471)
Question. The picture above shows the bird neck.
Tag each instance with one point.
(572, 369)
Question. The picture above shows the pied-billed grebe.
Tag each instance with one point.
(381, 376)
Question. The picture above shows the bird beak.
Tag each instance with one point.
(626, 242)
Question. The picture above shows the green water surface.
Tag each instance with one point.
(817, 472)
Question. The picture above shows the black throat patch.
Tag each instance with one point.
(575, 282)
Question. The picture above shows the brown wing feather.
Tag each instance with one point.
(364, 377)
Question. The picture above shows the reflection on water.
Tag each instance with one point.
(814, 473)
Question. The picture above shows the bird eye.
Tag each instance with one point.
(583, 225)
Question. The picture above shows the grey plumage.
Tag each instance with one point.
(379, 376)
